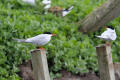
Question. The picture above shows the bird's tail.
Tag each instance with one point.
(20, 40)
(70, 8)
(97, 36)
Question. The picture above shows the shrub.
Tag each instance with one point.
(70, 49)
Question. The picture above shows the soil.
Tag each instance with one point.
(26, 70)
(69, 76)
(26, 73)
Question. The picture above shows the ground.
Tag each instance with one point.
(26, 73)
(69, 76)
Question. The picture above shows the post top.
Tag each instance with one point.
(102, 45)
(37, 50)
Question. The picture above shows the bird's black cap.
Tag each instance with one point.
(111, 27)
(47, 33)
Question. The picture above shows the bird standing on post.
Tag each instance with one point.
(39, 40)
(108, 35)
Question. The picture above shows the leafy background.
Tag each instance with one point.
(70, 49)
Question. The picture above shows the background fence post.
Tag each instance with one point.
(105, 63)
(40, 66)
(117, 70)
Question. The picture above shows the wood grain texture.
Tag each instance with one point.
(117, 70)
(40, 66)
(105, 63)
(100, 16)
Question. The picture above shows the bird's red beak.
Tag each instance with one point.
(53, 34)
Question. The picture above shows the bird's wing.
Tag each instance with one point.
(40, 39)
(67, 11)
(105, 35)
(108, 35)
(70, 8)
(113, 35)
(36, 38)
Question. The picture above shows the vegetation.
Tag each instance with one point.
(70, 49)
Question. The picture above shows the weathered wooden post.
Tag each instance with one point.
(105, 63)
(117, 70)
(40, 66)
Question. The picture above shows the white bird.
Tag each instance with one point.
(47, 4)
(32, 2)
(67, 11)
(108, 35)
(39, 40)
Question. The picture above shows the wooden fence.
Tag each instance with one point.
(107, 70)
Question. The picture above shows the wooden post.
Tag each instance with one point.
(105, 63)
(40, 66)
(117, 70)
(101, 16)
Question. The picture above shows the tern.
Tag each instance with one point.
(67, 11)
(108, 35)
(60, 11)
(39, 40)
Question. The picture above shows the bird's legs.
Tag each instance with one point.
(107, 44)
(41, 48)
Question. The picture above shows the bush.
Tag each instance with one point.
(70, 49)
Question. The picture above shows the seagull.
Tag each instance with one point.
(32, 2)
(67, 11)
(47, 4)
(108, 35)
(39, 40)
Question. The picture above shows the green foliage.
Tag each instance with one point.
(70, 49)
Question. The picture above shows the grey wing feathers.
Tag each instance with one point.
(108, 35)
(40, 39)
(20, 40)
(97, 36)
(71, 8)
